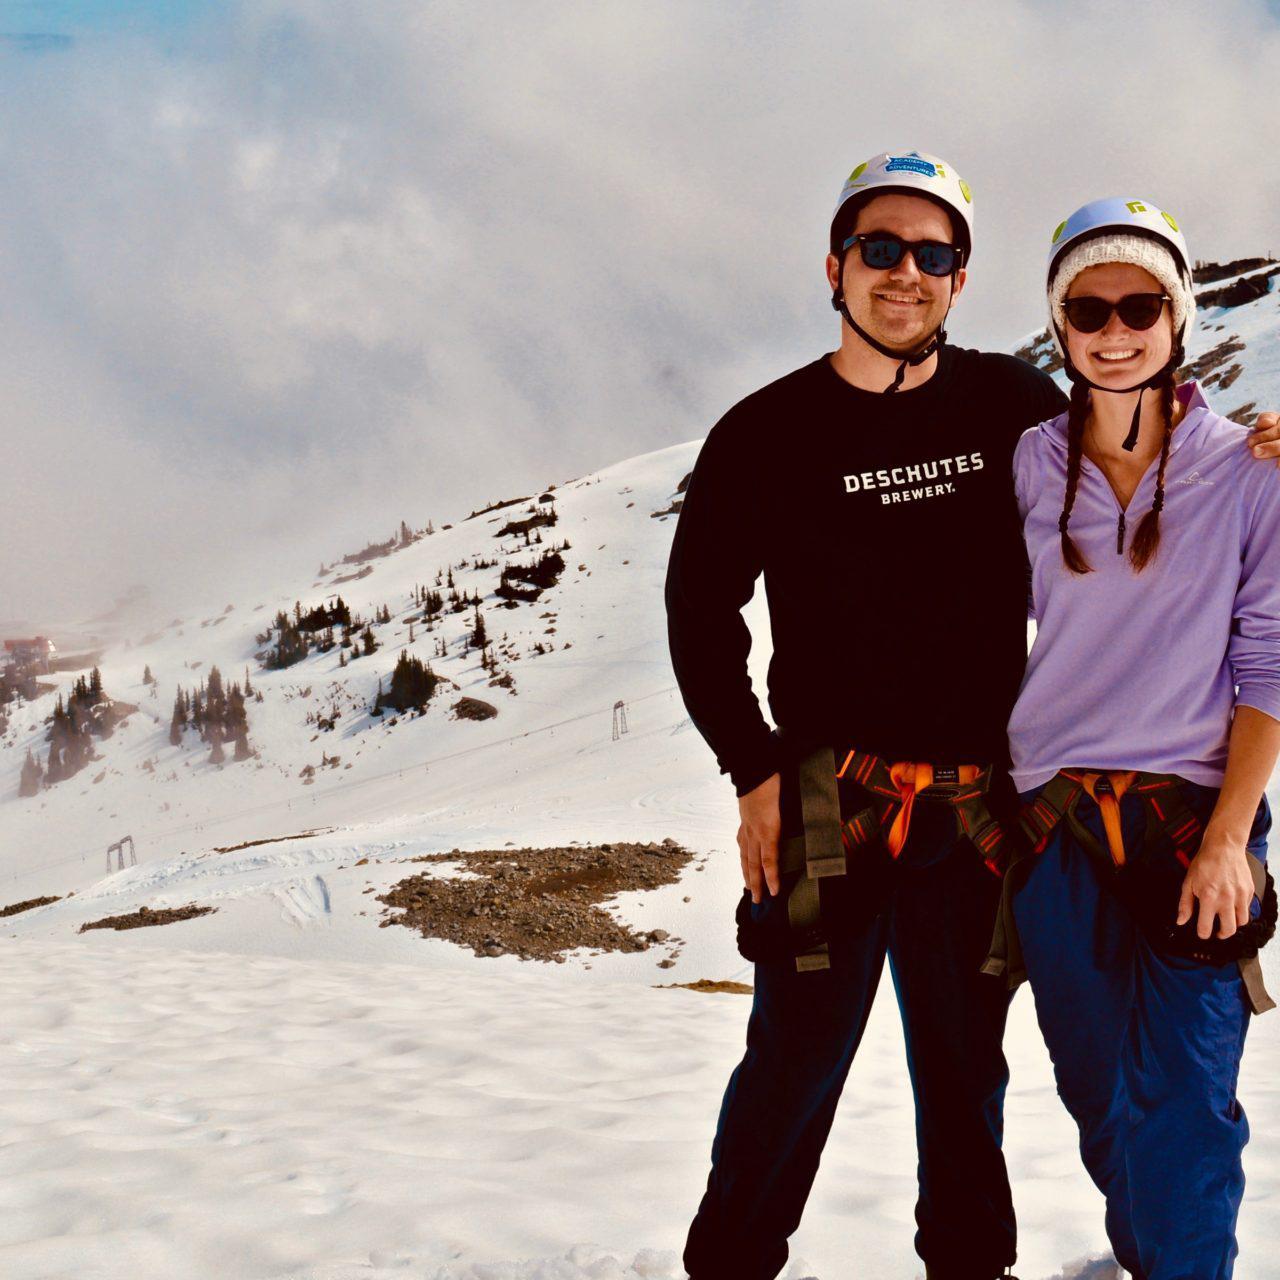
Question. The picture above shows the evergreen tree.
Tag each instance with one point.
(29, 783)
(95, 686)
(147, 677)
(291, 643)
(178, 723)
(412, 684)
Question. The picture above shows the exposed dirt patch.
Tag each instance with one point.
(1225, 377)
(473, 709)
(708, 984)
(1236, 294)
(144, 917)
(537, 903)
(1040, 351)
(250, 844)
(14, 908)
(1212, 272)
(1213, 359)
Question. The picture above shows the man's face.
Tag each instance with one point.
(902, 306)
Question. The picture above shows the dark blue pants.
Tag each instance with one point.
(1146, 1050)
(934, 924)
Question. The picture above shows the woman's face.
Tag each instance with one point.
(1117, 355)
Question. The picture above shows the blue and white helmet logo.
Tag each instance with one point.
(912, 163)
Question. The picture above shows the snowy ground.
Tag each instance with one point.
(284, 1090)
(207, 1114)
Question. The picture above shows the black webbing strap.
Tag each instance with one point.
(1037, 822)
(823, 855)
(1250, 966)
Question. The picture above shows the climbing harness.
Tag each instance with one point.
(1149, 882)
(831, 844)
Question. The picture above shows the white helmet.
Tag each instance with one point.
(1114, 223)
(914, 173)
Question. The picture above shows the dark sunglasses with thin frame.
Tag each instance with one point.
(1088, 314)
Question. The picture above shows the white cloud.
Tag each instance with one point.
(315, 263)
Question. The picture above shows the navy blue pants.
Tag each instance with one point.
(1146, 1050)
(933, 920)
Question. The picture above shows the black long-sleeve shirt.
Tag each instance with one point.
(888, 536)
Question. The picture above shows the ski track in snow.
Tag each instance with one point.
(283, 1090)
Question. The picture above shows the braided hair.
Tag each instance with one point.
(1076, 415)
(1147, 538)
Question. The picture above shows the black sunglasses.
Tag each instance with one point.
(1088, 314)
(882, 250)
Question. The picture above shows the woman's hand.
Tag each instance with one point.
(758, 835)
(1219, 878)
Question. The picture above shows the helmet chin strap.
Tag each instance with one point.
(932, 344)
(1074, 375)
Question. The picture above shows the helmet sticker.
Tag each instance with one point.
(964, 191)
(912, 164)
(1135, 206)
(858, 172)
(1062, 226)
(1168, 217)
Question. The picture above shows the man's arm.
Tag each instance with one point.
(716, 557)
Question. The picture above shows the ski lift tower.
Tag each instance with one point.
(619, 719)
(118, 850)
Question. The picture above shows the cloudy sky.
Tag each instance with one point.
(279, 274)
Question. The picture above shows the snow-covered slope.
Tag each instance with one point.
(547, 767)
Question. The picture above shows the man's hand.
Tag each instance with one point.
(758, 836)
(1219, 877)
(1264, 439)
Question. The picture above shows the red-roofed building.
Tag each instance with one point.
(37, 651)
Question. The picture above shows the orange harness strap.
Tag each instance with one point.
(910, 779)
(1107, 790)
(907, 778)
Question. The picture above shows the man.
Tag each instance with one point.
(873, 489)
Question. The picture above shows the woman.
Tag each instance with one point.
(1145, 731)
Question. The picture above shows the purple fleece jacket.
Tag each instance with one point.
(1143, 670)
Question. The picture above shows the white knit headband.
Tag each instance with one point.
(1141, 251)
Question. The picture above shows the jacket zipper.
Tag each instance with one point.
(1120, 535)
